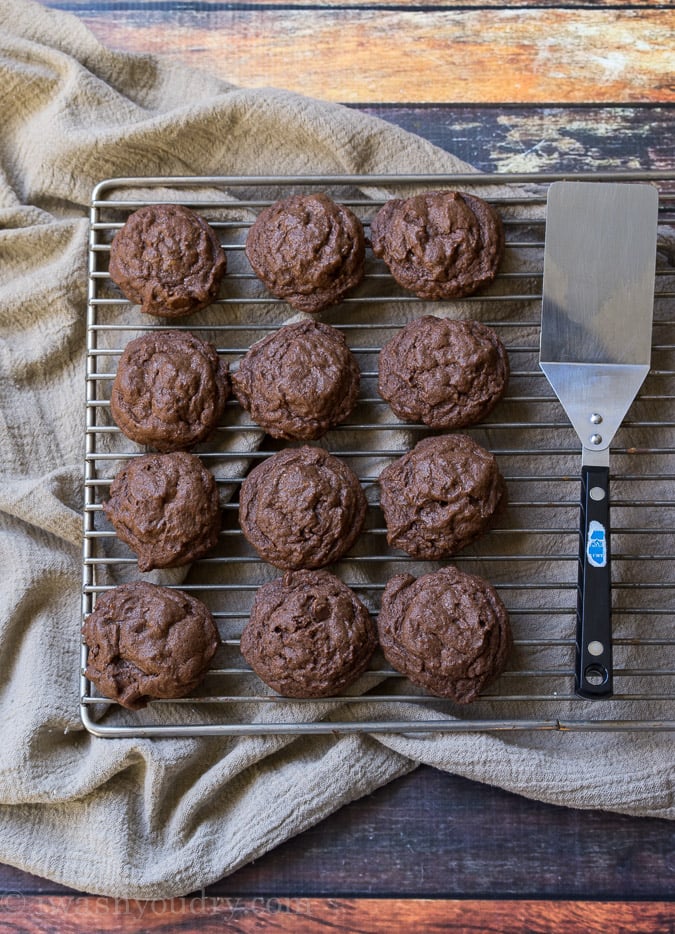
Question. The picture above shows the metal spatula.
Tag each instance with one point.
(596, 327)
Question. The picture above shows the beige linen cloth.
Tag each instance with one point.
(134, 817)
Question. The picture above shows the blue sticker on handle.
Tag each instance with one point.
(596, 547)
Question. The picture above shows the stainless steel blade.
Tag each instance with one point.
(596, 328)
(598, 299)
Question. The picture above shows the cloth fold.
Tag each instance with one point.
(177, 813)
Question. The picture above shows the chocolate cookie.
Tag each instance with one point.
(298, 381)
(301, 508)
(147, 642)
(308, 635)
(445, 373)
(168, 260)
(448, 632)
(166, 508)
(170, 390)
(440, 496)
(439, 245)
(307, 250)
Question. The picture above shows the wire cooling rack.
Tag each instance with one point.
(530, 557)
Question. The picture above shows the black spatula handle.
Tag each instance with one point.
(594, 609)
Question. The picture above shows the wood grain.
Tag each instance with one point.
(543, 139)
(342, 916)
(366, 54)
(426, 67)
(421, 6)
(433, 834)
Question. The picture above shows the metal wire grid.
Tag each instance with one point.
(531, 557)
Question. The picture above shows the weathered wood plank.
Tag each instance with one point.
(343, 916)
(543, 139)
(362, 55)
(416, 5)
(365, 847)
(432, 834)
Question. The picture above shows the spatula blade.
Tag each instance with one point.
(596, 328)
(598, 300)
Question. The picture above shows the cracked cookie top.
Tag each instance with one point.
(168, 260)
(443, 372)
(308, 635)
(307, 250)
(170, 390)
(166, 508)
(298, 381)
(440, 496)
(302, 508)
(447, 631)
(147, 642)
(440, 244)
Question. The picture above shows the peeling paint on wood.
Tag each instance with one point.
(421, 6)
(543, 139)
(362, 55)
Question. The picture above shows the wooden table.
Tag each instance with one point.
(526, 87)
